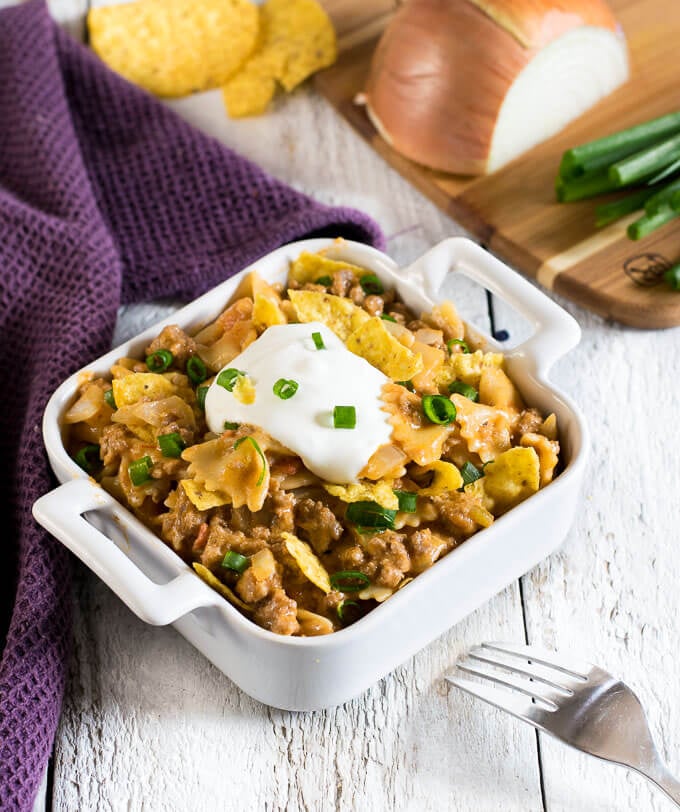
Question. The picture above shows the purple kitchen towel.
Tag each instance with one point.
(105, 197)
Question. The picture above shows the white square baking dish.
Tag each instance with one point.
(316, 672)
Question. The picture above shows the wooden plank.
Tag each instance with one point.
(611, 592)
(513, 211)
(148, 723)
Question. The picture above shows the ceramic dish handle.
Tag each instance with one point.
(61, 513)
(555, 331)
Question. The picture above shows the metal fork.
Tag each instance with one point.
(574, 701)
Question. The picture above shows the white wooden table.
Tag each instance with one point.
(149, 724)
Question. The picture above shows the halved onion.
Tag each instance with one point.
(465, 86)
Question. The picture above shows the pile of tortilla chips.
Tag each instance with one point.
(177, 47)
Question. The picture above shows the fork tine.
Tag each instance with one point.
(518, 706)
(565, 664)
(559, 680)
(538, 690)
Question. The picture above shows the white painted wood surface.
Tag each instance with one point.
(149, 724)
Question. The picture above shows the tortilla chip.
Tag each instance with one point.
(512, 477)
(304, 33)
(149, 385)
(212, 580)
(202, 498)
(381, 349)
(309, 267)
(467, 367)
(175, 47)
(446, 478)
(306, 559)
(249, 93)
(380, 492)
(266, 303)
(338, 314)
(297, 39)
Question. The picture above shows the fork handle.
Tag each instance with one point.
(659, 774)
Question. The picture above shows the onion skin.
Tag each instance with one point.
(536, 23)
(442, 69)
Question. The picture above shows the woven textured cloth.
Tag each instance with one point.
(105, 197)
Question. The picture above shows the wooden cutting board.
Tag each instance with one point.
(513, 211)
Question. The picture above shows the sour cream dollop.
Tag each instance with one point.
(326, 378)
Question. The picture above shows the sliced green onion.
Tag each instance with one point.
(229, 426)
(630, 140)
(171, 445)
(349, 612)
(470, 473)
(110, 399)
(344, 417)
(650, 222)
(407, 385)
(387, 317)
(236, 562)
(646, 162)
(464, 389)
(370, 514)
(439, 409)
(672, 277)
(201, 392)
(588, 166)
(88, 458)
(317, 338)
(371, 284)
(285, 389)
(407, 501)
(228, 377)
(610, 212)
(257, 448)
(160, 360)
(457, 342)
(590, 185)
(669, 170)
(662, 198)
(326, 281)
(196, 370)
(349, 580)
(140, 470)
